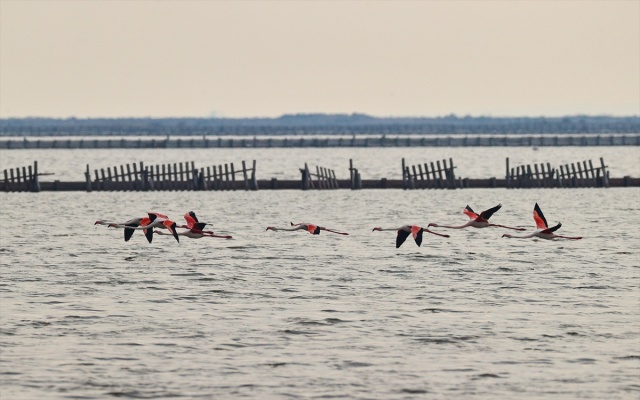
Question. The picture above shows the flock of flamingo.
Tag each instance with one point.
(155, 223)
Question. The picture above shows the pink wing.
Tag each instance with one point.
(414, 231)
(470, 213)
(190, 221)
(540, 222)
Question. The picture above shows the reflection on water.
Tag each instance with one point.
(288, 314)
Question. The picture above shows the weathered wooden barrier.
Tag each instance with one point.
(27, 181)
(185, 176)
(631, 139)
(324, 178)
(580, 174)
(176, 176)
(434, 176)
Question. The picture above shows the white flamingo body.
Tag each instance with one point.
(311, 228)
(406, 230)
(477, 220)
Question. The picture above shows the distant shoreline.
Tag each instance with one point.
(318, 124)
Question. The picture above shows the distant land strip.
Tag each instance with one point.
(318, 124)
(522, 140)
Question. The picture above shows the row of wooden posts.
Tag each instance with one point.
(580, 174)
(185, 176)
(434, 176)
(25, 179)
(176, 176)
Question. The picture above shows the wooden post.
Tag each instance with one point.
(582, 180)
(216, 184)
(305, 177)
(35, 183)
(439, 174)
(507, 176)
(605, 173)
(537, 172)
(452, 177)
(414, 183)
(105, 185)
(574, 177)
(421, 185)
(404, 175)
(254, 181)
(6, 181)
(233, 177)
(22, 179)
(87, 177)
(128, 177)
(244, 174)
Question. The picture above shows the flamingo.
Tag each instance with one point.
(195, 234)
(405, 230)
(543, 231)
(155, 220)
(478, 221)
(311, 228)
(130, 227)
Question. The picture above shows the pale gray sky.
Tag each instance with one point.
(268, 58)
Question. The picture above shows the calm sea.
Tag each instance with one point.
(274, 315)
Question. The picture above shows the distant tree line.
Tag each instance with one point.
(316, 124)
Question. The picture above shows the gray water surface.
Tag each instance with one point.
(271, 315)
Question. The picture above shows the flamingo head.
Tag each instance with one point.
(99, 222)
(377, 228)
(506, 235)
(112, 225)
(432, 224)
(270, 228)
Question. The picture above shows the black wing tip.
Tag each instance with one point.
(316, 231)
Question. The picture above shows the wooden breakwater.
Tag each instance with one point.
(572, 175)
(338, 141)
(185, 176)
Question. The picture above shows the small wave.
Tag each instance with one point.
(485, 376)
(295, 332)
(631, 357)
(414, 391)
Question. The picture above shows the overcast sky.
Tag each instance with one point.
(268, 58)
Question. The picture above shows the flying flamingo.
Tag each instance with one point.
(155, 220)
(543, 231)
(129, 227)
(195, 234)
(478, 221)
(311, 228)
(406, 230)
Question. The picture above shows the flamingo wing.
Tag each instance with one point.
(171, 226)
(486, 214)
(191, 219)
(416, 231)
(402, 236)
(198, 226)
(552, 229)
(154, 215)
(467, 210)
(313, 229)
(128, 232)
(148, 233)
(538, 216)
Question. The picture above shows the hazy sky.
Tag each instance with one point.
(268, 58)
